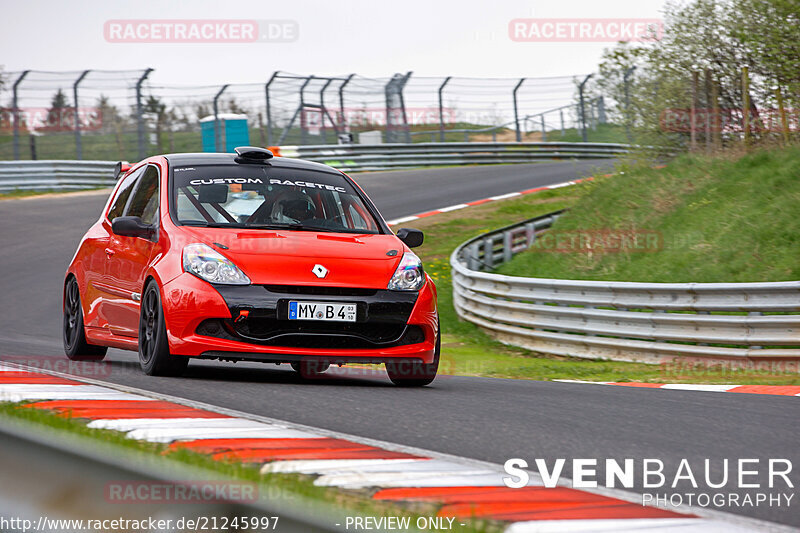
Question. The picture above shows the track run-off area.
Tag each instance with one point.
(484, 419)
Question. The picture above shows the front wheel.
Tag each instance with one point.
(75, 346)
(154, 356)
(410, 374)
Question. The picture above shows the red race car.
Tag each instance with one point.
(249, 257)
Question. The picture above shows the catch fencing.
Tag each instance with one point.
(128, 115)
(626, 321)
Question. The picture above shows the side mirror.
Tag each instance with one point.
(412, 237)
(131, 227)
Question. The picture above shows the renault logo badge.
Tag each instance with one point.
(319, 271)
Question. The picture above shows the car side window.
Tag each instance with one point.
(144, 203)
(123, 193)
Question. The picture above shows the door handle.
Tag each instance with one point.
(109, 252)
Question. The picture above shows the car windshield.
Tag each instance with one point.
(263, 197)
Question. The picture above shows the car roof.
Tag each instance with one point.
(212, 158)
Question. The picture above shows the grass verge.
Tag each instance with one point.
(467, 350)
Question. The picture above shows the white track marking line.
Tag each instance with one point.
(318, 466)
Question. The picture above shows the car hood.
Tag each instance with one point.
(283, 257)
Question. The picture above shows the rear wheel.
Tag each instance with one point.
(154, 356)
(411, 374)
(74, 335)
(309, 369)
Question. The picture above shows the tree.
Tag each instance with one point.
(57, 115)
(154, 106)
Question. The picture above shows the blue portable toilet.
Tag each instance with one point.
(233, 132)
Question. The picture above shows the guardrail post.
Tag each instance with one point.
(516, 111)
(508, 244)
(581, 86)
(268, 110)
(15, 112)
(488, 252)
(216, 119)
(441, 109)
(78, 146)
(139, 113)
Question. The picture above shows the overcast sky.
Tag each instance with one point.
(369, 37)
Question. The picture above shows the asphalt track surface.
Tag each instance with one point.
(481, 418)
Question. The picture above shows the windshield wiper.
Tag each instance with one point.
(297, 227)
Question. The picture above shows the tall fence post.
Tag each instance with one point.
(693, 115)
(581, 86)
(323, 112)
(268, 110)
(782, 111)
(516, 108)
(561, 117)
(717, 128)
(441, 108)
(302, 109)
(746, 104)
(342, 119)
(78, 146)
(140, 112)
(216, 119)
(626, 78)
(15, 111)
(544, 132)
(402, 87)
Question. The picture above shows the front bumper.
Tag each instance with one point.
(249, 323)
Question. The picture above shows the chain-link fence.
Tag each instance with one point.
(109, 115)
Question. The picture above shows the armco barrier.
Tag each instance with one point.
(67, 175)
(357, 157)
(55, 175)
(626, 321)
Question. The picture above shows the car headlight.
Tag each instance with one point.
(208, 264)
(409, 275)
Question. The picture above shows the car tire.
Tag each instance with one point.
(310, 369)
(73, 333)
(410, 374)
(154, 356)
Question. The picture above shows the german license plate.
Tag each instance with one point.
(328, 311)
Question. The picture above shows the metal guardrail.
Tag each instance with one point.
(627, 321)
(57, 175)
(363, 157)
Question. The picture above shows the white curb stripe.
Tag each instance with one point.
(315, 466)
(382, 479)
(13, 392)
(183, 423)
(706, 388)
(478, 480)
(453, 208)
(173, 434)
(402, 220)
(504, 196)
(412, 465)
